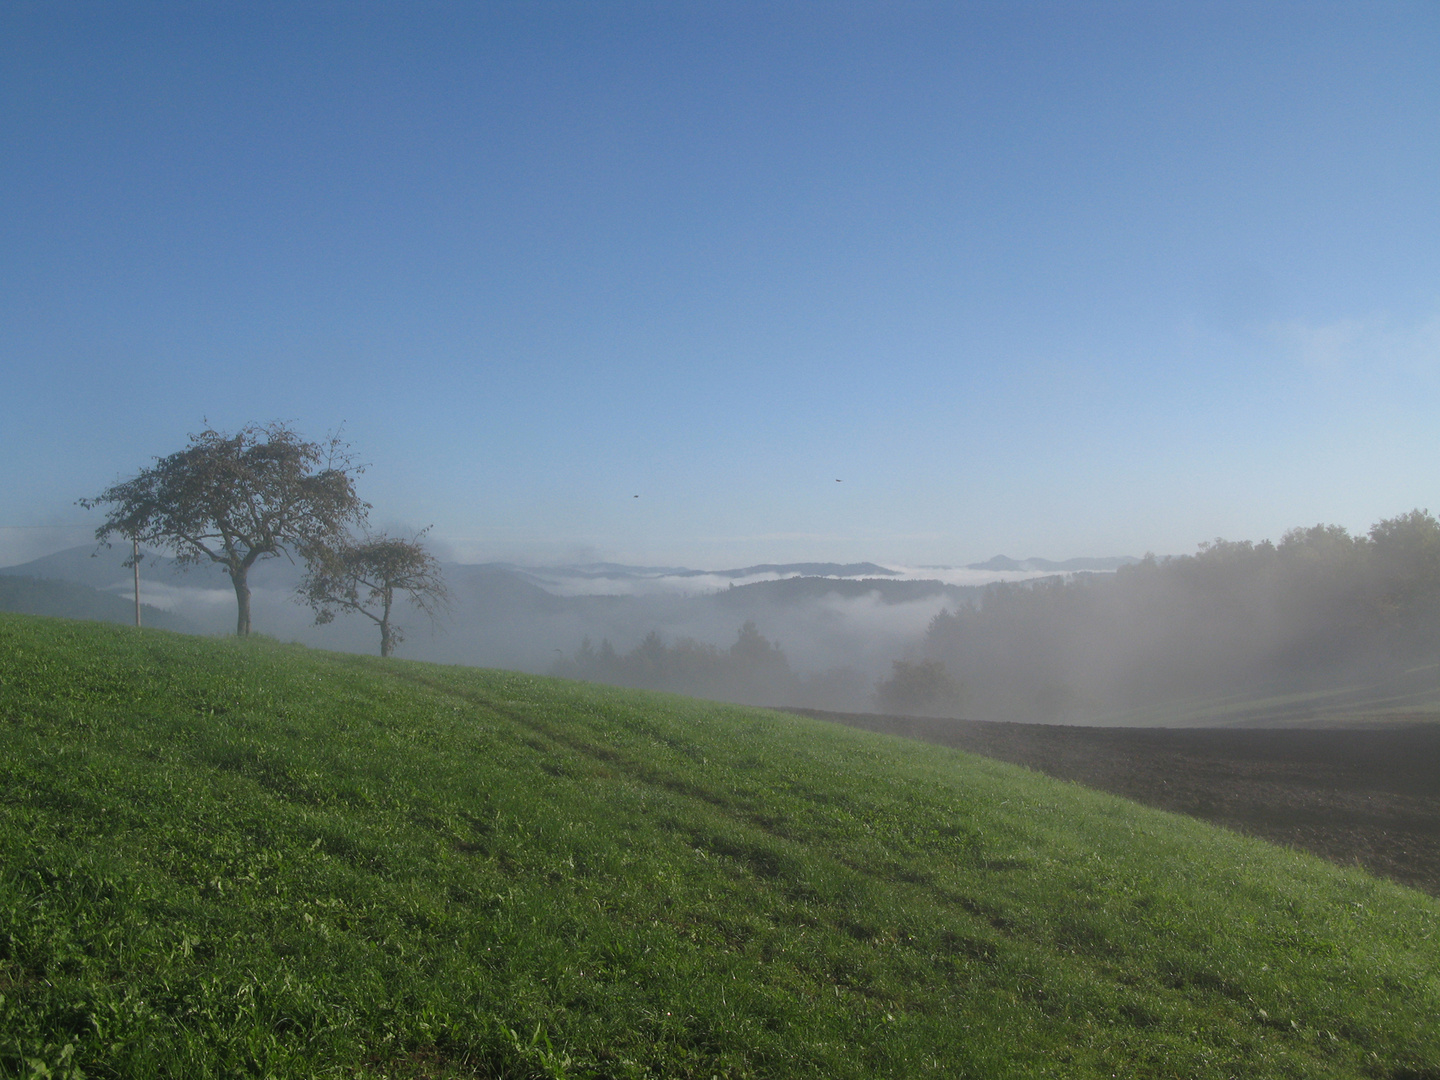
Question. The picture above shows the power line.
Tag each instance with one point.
(47, 526)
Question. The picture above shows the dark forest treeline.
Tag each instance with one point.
(1320, 609)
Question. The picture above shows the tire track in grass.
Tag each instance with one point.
(986, 937)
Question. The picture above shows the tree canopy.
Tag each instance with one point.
(921, 689)
(363, 576)
(236, 498)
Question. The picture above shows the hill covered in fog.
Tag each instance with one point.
(1319, 612)
(1049, 566)
(835, 625)
(1352, 619)
(68, 600)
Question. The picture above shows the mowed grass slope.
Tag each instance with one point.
(225, 858)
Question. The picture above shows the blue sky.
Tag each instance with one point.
(1046, 279)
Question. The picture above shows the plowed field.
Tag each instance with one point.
(1360, 796)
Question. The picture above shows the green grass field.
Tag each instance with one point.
(224, 858)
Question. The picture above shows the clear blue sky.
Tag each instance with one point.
(1047, 279)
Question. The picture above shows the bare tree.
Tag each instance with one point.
(235, 499)
(364, 576)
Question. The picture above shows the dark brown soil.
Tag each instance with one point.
(1367, 796)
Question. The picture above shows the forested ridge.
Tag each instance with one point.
(1321, 608)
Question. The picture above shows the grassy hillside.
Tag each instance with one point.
(248, 859)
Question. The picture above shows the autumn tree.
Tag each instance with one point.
(364, 576)
(234, 499)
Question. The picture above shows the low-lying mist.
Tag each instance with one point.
(1321, 610)
(837, 634)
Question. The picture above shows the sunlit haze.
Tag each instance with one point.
(710, 285)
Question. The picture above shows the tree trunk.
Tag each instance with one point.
(242, 600)
(387, 643)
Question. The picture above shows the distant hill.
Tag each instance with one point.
(1002, 562)
(65, 599)
(620, 571)
(794, 590)
(846, 621)
(496, 589)
(101, 568)
(85, 565)
(591, 570)
(808, 569)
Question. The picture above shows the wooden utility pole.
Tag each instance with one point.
(135, 561)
